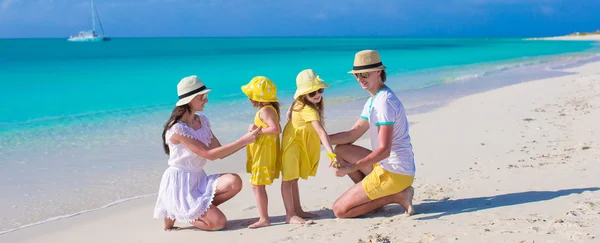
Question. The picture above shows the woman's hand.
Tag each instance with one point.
(251, 127)
(250, 137)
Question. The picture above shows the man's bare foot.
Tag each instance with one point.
(169, 224)
(260, 223)
(405, 198)
(297, 220)
(307, 215)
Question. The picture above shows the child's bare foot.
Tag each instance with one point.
(307, 215)
(169, 224)
(260, 223)
(297, 220)
(405, 199)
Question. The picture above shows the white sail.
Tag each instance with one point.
(93, 17)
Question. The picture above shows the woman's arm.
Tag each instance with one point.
(200, 149)
(214, 141)
(360, 127)
(379, 154)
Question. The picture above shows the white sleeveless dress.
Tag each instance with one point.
(186, 192)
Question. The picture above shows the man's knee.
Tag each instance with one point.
(340, 148)
(339, 210)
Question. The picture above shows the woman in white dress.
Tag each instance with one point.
(187, 193)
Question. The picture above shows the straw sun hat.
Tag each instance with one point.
(367, 61)
(188, 88)
(308, 81)
(261, 89)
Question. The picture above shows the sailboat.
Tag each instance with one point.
(91, 35)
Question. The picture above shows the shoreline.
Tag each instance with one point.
(476, 162)
(338, 111)
(586, 37)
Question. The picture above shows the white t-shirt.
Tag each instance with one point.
(386, 109)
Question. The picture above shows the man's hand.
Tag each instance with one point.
(344, 169)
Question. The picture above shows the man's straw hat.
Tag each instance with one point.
(367, 61)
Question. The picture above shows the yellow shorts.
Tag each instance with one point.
(381, 183)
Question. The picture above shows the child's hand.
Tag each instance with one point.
(333, 161)
(288, 115)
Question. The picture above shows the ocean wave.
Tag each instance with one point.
(579, 60)
(483, 70)
(74, 117)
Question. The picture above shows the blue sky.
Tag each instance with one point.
(130, 18)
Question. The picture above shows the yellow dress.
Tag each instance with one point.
(264, 155)
(301, 145)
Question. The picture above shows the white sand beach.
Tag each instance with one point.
(590, 37)
(515, 164)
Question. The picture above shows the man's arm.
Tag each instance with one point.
(360, 127)
(385, 147)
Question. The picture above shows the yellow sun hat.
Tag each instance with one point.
(308, 81)
(261, 89)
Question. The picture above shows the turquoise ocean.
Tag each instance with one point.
(80, 123)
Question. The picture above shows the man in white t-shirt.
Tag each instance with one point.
(384, 174)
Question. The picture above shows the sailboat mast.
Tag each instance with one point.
(93, 18)
(99, 21)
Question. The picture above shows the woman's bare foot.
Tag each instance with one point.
(405, 198)
(297, 220)
(169, 224)
(307, 215)
(260, 223)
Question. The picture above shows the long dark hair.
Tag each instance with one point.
(176, 115)
(319, 107)
(263, 104)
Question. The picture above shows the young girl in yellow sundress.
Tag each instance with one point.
(301, 142)
(264, 155)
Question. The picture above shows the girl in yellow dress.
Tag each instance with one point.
(301, 142)
(264, 155)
